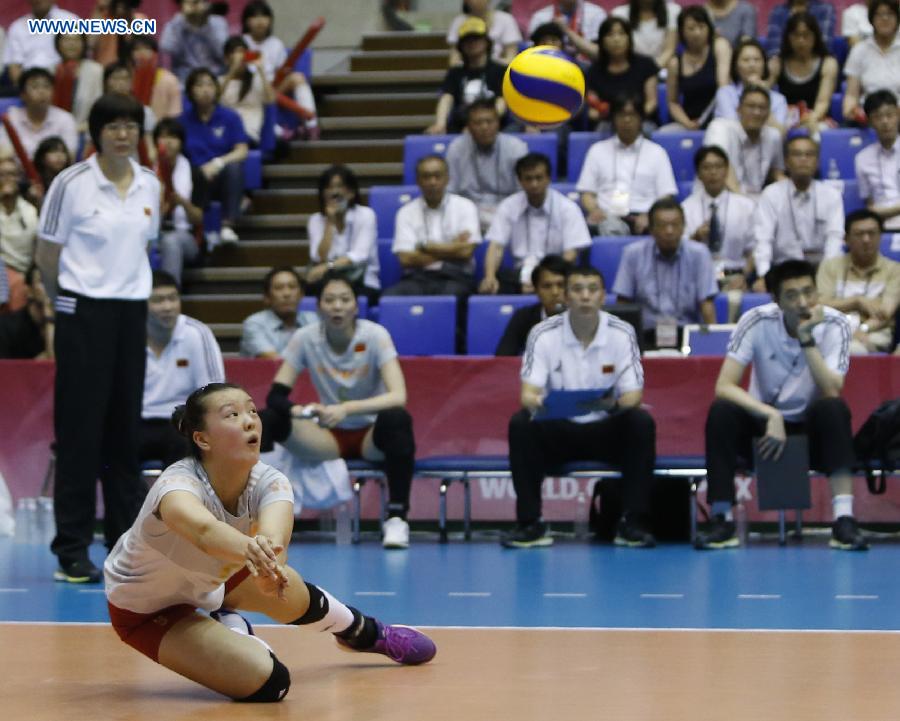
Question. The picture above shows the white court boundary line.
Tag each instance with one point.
(581, 629)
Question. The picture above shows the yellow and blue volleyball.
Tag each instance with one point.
(542, 86)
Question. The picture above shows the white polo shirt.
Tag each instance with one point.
(417, 223)
(104, 238)
(855, 21)
(58, 122)
(641, 171)
(588, 19)
(531, 233)
(789, 225)
(183, 184)
(554, 359)
(734, 213)
(876, 70)
(752, 162)
(33, 51)
(357, 241)
(190, 360)
(878, 173)
(781, 377)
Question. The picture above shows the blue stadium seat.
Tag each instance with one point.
(839, 148)
(836, 109)
(386, 200)
(680, 148)
(890, 246)
(416, 147)
(567, 189)
(579, 144)
(684, 189)
(850, 192)
(662, 104)
(420, 324)
(706, 340)
(720, 302)
(488, 318)
(7, 103)
(839, 46)
(389, 269)
(751, 300)
(253, 170)
(308, 305)
(542, 143)
(606, 253)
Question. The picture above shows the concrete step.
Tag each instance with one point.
(272, 227)
(404, 41)
(291, 200)
(250, 252)
(363, 104)
(346, 151)
(297, 175)
(390, 81)
(221, 280)
(367, 61)
(221, 307)
(393, 127)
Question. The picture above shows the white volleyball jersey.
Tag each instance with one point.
(152, 567)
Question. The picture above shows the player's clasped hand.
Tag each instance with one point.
(262, 558)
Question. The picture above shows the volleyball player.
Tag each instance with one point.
(213, 534)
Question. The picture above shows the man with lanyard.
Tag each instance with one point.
(863, 284)
(536, 221)
(720, 219)
(799, 217)
(482, 162)
(266, 333)
(878, 165)
(579, 20)
(799, 350)
(95, 224)
(671, 277)
(753, 148)
(622, 176)
(583, 348)
(182, 355)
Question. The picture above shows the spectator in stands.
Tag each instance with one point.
(28, 332)
(266, 333)
(38, 118)
(670, 276)
(435, 237)
(550, 34)
(245, 87)
(216, 143)
(753, 147)
(750, 67)
(579, 20)
(548, 279)
(878, 165)
(583, 348)
(342, 235)
(112, 47)
(18, 227)
(874, 63)
(479, 77)
(118, 78)
(619, 70)
(362, 397)
(622, 176)
(855, 25)
(806, 74)
(194, 39)
(182, 355)
(799, 351)
(482, 161)
(654, 23)
(154, 86)
(822, 10)
(50, 159)
(24, 50)
(78, 81)
(694, 74)
(863, 284)
(720, 219)
(185, 193)
(257, 19)
(798, 218)
(735, 20)
(533, 223)
(502, 29)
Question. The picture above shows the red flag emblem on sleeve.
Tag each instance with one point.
(182, 362)
(359, 348)
(609, 368)
(148, 212)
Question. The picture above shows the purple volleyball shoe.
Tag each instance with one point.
(400, 643)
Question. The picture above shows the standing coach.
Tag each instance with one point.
(96, 221)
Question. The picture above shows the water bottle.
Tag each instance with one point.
(46, 520)
(343, 533)
(582, 516)
(834, 172)
(740, 523)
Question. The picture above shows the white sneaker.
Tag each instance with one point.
(228, 236)
(395, 533)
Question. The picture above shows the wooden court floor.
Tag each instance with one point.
(83, 672)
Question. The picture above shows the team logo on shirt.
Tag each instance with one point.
(182, 363)
(608, 368)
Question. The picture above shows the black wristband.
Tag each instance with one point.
(278, 399)
(810, 343)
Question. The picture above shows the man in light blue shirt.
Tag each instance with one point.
(671, 278)
(266, 333)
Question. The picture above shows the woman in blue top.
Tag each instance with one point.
(750, 67)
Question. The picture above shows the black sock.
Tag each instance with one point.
(362, 634)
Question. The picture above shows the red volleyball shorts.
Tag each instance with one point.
(350, 441)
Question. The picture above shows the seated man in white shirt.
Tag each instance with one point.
(182, 355)
(800, 353)
(878, 165)
(578, 19)
(583, 348)
(624, 175)
(720, 219)
(535, 222)
(266, 333)
(18, 232)
(797, 218)
(435, 237)
(482, 161)
(24, 49)
(39, 119)
(753, 148)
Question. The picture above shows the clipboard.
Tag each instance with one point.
(562, 405)
(784, 483)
